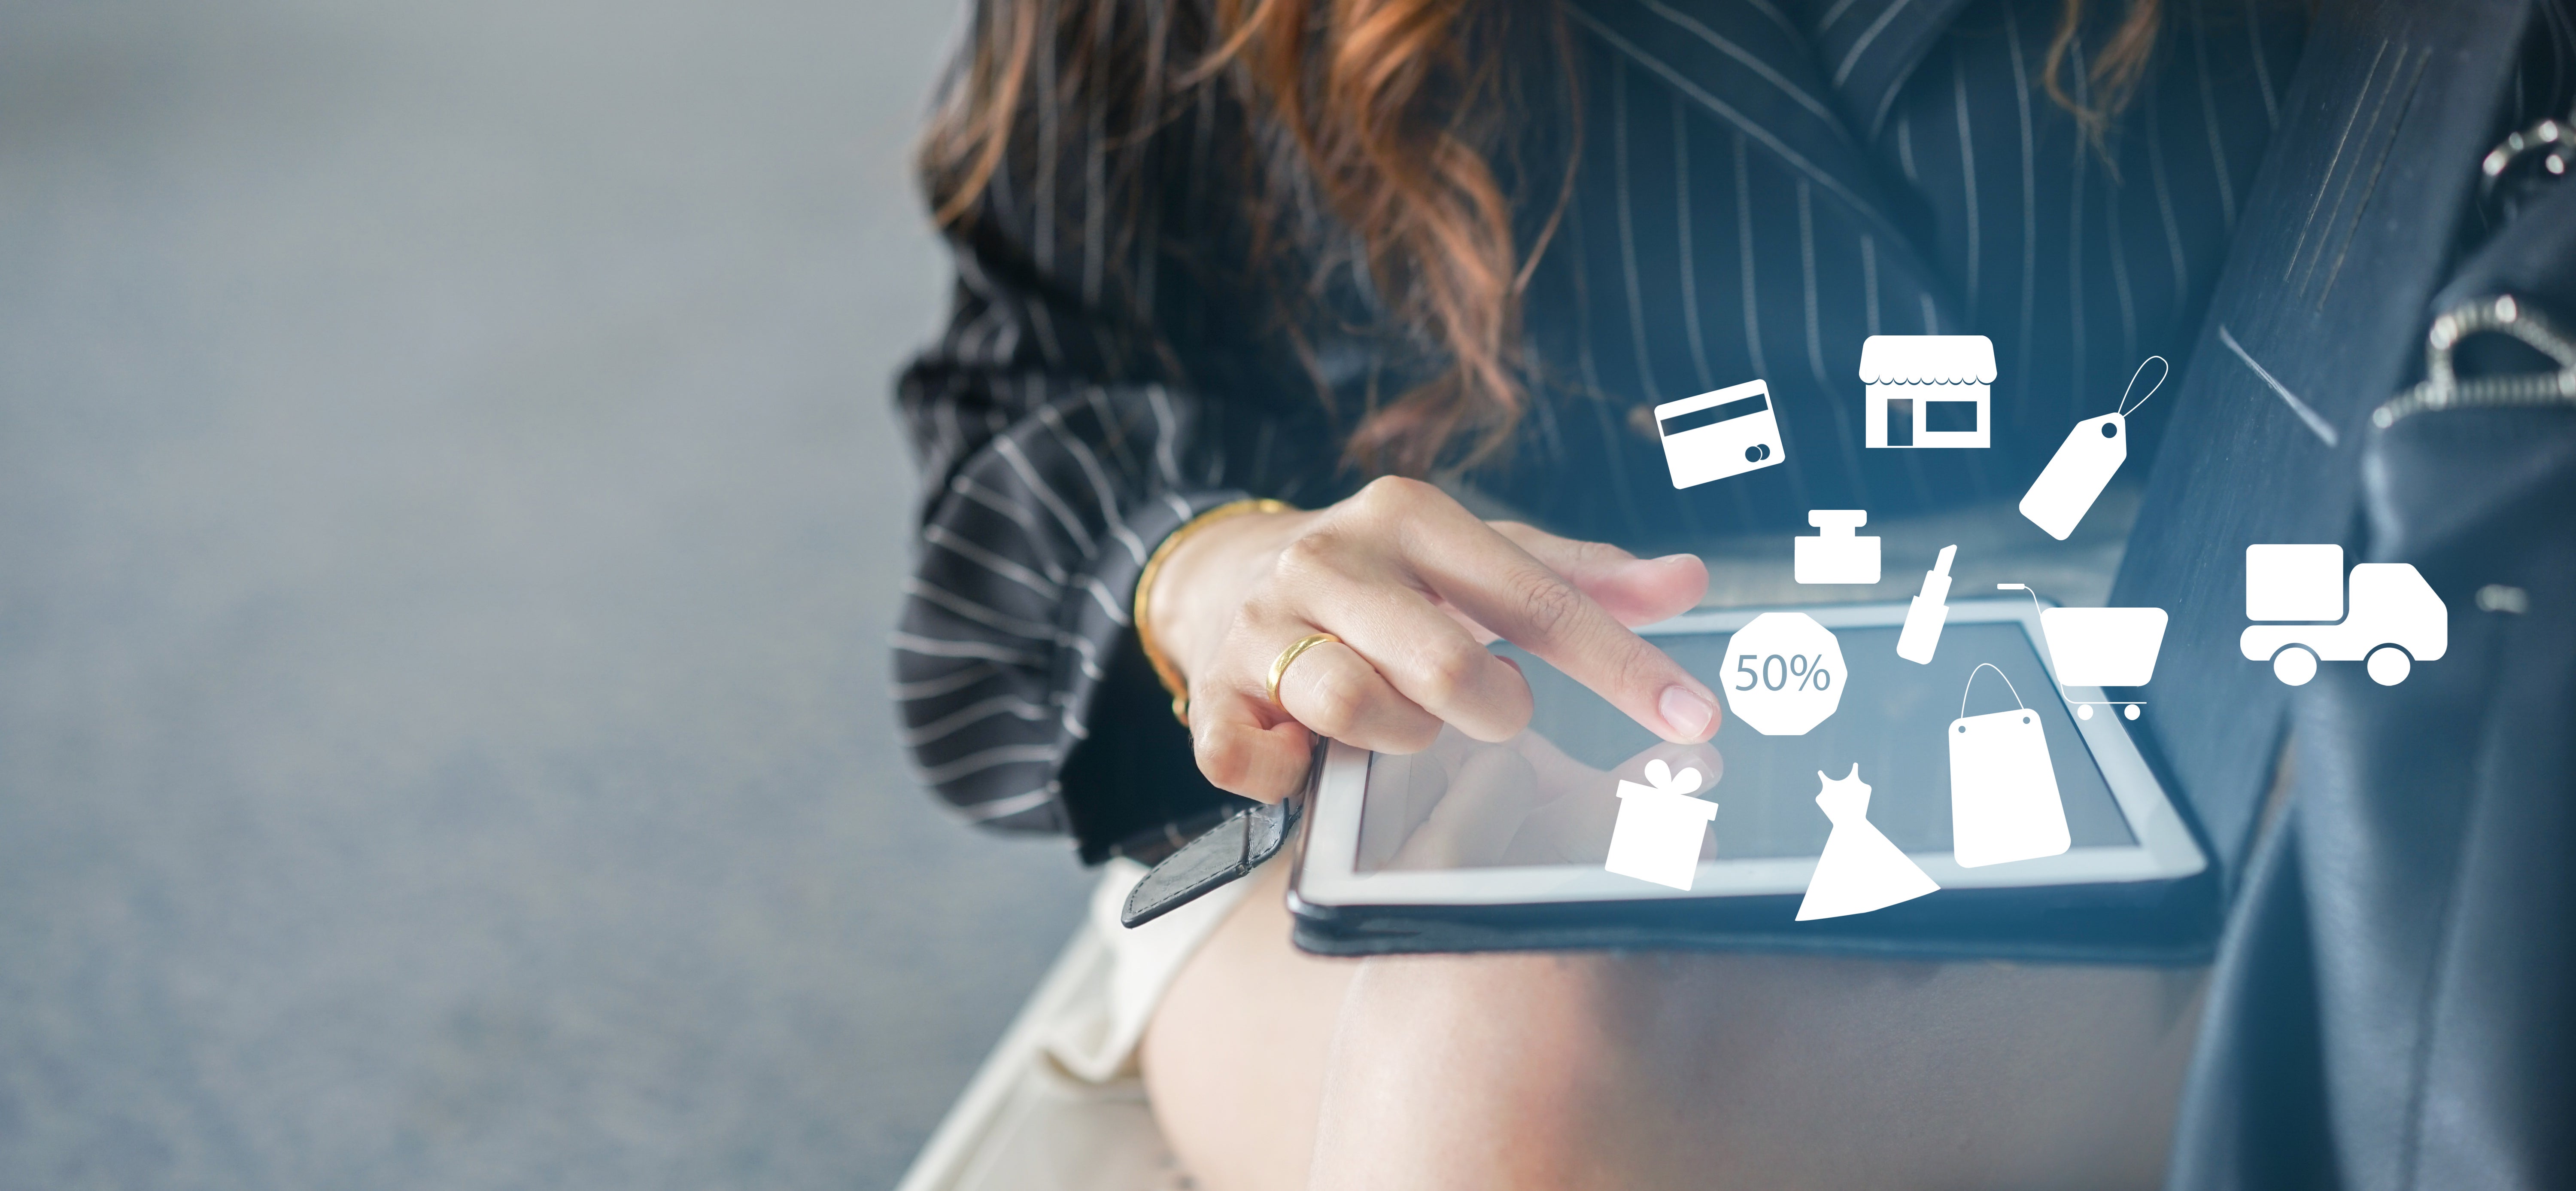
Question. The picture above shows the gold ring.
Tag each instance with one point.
(1279, 667)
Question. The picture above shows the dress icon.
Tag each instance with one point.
(1861, 870)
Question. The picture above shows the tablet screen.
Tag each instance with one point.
(1548, 798)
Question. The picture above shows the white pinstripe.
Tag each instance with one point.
(1815, 339)
(1627, 232)
(1744, 261)
(938, 535)
(2209, 122)
(1017, 626)
(2029, 193)
(1042, 212)
(973, 713)
(1010, 452)
(1689, 257)
(991, 758)
(2164, 193)
(950, 683)
(1869, 278)
(1114, 436)
(1807, 283)
(1095, 166)
(1003, 808)
(1052, 417)
(1110, 604)
(938, 647)
(1724, 110)
(1613, 464)
(2262, 69)
(1761, 69)
(1842, 73)
(1167, 428)
(1968, 180)
(1018, 515)
(2079, 336)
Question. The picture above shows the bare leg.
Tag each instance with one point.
(1235, 1055)
(1661, 1069)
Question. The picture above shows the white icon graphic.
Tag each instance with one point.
(2003, 790)
(1657, 836)
(1925, 616)
(2395, 619)
(1835, 554)
(1927, 390)
(1720, 434)
(2099, 647)
(1783, 673)
(1861, 869)
(2085, 462)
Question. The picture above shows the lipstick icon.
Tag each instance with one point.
(1925, 616)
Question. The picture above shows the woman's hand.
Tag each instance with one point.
(1415, 586)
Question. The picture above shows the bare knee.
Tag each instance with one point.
(1234, 1057)
(1470, 1071)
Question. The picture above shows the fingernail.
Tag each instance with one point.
(1685, 712)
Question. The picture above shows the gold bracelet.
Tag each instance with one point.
(1163, 668)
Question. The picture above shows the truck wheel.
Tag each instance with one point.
(2294, 665)
(2388, 665)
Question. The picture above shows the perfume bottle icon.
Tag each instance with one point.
(1834, 553)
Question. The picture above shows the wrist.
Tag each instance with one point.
(1156, 621)
(1204, 578)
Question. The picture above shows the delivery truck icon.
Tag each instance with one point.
(2393, 620)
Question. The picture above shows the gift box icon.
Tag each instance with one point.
(1658, 833)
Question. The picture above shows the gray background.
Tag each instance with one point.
(449, 519)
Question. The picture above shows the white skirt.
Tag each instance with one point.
(1097, 1041)
(1059, 1105)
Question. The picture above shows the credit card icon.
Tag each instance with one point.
(1716, 435)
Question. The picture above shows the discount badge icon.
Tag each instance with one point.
(1784, 673)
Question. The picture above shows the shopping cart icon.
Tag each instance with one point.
(2098, 647)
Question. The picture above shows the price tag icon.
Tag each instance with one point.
(1784, 674)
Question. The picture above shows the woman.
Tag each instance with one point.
(1418, 270)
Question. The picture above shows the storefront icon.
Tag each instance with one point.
(1928, 390)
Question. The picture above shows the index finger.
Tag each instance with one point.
(1512, 593)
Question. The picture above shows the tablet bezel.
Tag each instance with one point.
(2164, 849)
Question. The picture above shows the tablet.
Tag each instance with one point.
(1472, 846)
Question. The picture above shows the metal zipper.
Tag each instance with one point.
(2443, 389)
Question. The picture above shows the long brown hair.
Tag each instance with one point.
(1388, 115)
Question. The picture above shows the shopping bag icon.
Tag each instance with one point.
(2004, 804)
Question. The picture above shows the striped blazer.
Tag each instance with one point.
(1762, 184)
